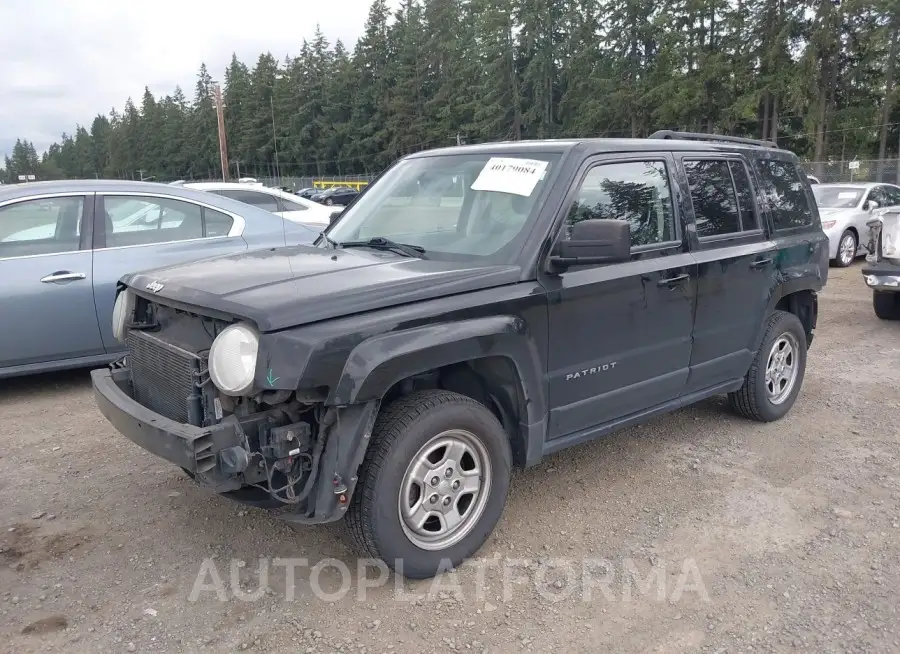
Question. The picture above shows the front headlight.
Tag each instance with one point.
(122, 311)
(232, 359)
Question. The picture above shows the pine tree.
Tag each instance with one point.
(819, 76)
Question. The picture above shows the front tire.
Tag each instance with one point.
(847, 249)
(773, 381)
(433, 483)
(886, 304)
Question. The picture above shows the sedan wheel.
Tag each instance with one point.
(846, 249)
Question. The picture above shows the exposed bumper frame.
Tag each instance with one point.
(347, 430)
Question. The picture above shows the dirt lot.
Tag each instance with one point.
(768, 537)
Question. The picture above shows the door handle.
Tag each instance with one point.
(760, 263)
(673, 281)
(62, 276)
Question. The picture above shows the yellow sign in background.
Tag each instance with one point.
(323, 184)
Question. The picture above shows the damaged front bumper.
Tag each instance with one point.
(882, 269)
(221, 458)
(882, 277)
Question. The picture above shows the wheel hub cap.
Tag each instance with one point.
(782, 368)
(847, 249)
(444, 490)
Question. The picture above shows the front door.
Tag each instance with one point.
(620, 334)
(46, 293)
(736, 268)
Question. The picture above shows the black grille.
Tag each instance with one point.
(162, 375)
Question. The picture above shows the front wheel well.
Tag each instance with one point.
(491, 381)
(804, 305)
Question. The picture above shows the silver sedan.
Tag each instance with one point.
(845, 208)
(65, 245)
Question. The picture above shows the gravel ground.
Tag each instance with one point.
(699, 531)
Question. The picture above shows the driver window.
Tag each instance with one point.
(877, 195)
(892, 195)
(634, 191)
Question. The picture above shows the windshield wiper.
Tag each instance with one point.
(380, 242)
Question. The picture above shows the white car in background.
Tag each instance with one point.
(273, 200)
(845, 209)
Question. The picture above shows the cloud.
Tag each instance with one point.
(63, 62)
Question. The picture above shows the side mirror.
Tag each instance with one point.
(870, 205)
(593, 242)
(334, 216)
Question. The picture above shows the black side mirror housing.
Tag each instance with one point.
(334, 216)
(593, 242)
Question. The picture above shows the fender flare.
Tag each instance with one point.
(783, 290)
(378, 363)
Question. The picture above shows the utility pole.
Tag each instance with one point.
(220, 119)
(275, 140)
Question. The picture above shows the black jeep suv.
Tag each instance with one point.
(477, 308)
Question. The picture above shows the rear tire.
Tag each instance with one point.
(399, 514)
(773, 381)
(886, 304)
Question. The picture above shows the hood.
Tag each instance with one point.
(835, 212)
(286, 287)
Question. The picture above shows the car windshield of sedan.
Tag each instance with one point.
(837, 197)
(454, 207)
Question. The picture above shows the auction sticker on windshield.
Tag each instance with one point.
(845, 195)
(510, 175)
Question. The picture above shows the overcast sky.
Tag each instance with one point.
(64, 61)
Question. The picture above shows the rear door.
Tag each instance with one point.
(736, 266)
(46, 293)
(134, 232)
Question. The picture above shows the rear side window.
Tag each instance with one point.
(749, 214)
(216, 223)
(713, 197)
(288, 205)
(785, 194)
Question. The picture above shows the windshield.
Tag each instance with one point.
(456, 207)
(837, 197)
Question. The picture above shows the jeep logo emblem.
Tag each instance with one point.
(154, 287)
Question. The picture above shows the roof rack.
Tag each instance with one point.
(699, 136)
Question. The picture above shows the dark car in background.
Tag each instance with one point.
(307, 193)
(342, 195)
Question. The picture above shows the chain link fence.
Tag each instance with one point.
(865, 170)
(295, 184)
